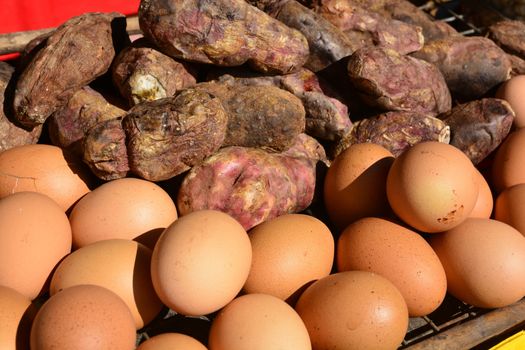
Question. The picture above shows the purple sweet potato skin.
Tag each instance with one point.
(394, 82)
(224, 33)
(75, 54)
(249, 184)
(509, 35)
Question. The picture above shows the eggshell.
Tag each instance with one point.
(513, 91)
(258, 322)
(484, 261)
(201, 262)
(120, 265)
(289, 252)
(125, 208)
(485, 201)
(171, 341)
(399, 254)
(355, 184)
(44, 169)
(354, 310)
(507, 167)
(14, 321)
(84, 317)
(34, 236)
(510, 207)
(432, 186)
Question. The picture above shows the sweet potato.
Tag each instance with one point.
(224, 33)
(472, 66)
(75, 54)
(510, 36)
(249, 184)
(393, 82)
(478, 127)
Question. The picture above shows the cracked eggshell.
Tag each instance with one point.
(432, 187)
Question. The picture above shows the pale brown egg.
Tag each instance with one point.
(15, 319)
(510, 207)
(201, 262)
(513, 91)
(289, 252)
(507, 167)
(44, 169)
(258, 322)
(484, 261)
(485, 201)
(120, 265)
(125, 208)
(399, 254)
(83, 317)
(354, 310)
(171, 341)
(432, 186)
(34, 236)
(355, 184)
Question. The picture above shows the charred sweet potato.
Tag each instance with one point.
(224, 33)
(75, 54)
(249, 184)
(478, 127)
(471, 65)
(393, 82)
(145, 74)
(70, 123)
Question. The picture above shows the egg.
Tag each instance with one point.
(44, 169)
(288, 252)
(34, 236)
(127, 208)
(484, 261)
(510, 207)
(83, 317)
(513, 91)
(433, 186)
(258, 322)
(485, 201)
(399, 254)
(200, 262)
(507, 167)
(355, 183)
(16, 315)
(354, 310)
(120, 265)
(171, 341)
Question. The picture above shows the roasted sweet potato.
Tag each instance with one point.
(509, 35)
(224, 33)
(478, 127)
(249, 184)
(472, 66)
(75, 54)
(393, 82)
(145, 74)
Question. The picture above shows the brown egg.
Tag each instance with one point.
(171, 341)
(34, 236)
(485, 201)
(507, 167)
(432, 186)
(201, 262)
(125, 208)
(44, 169)
(399, 254)
(83, 317)
(513, 91)
(258, 322)
(510, 207)
(289, 252)
(120, 265)
(355, 184)
(15, 319)
(354, 310)
(484, 261)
